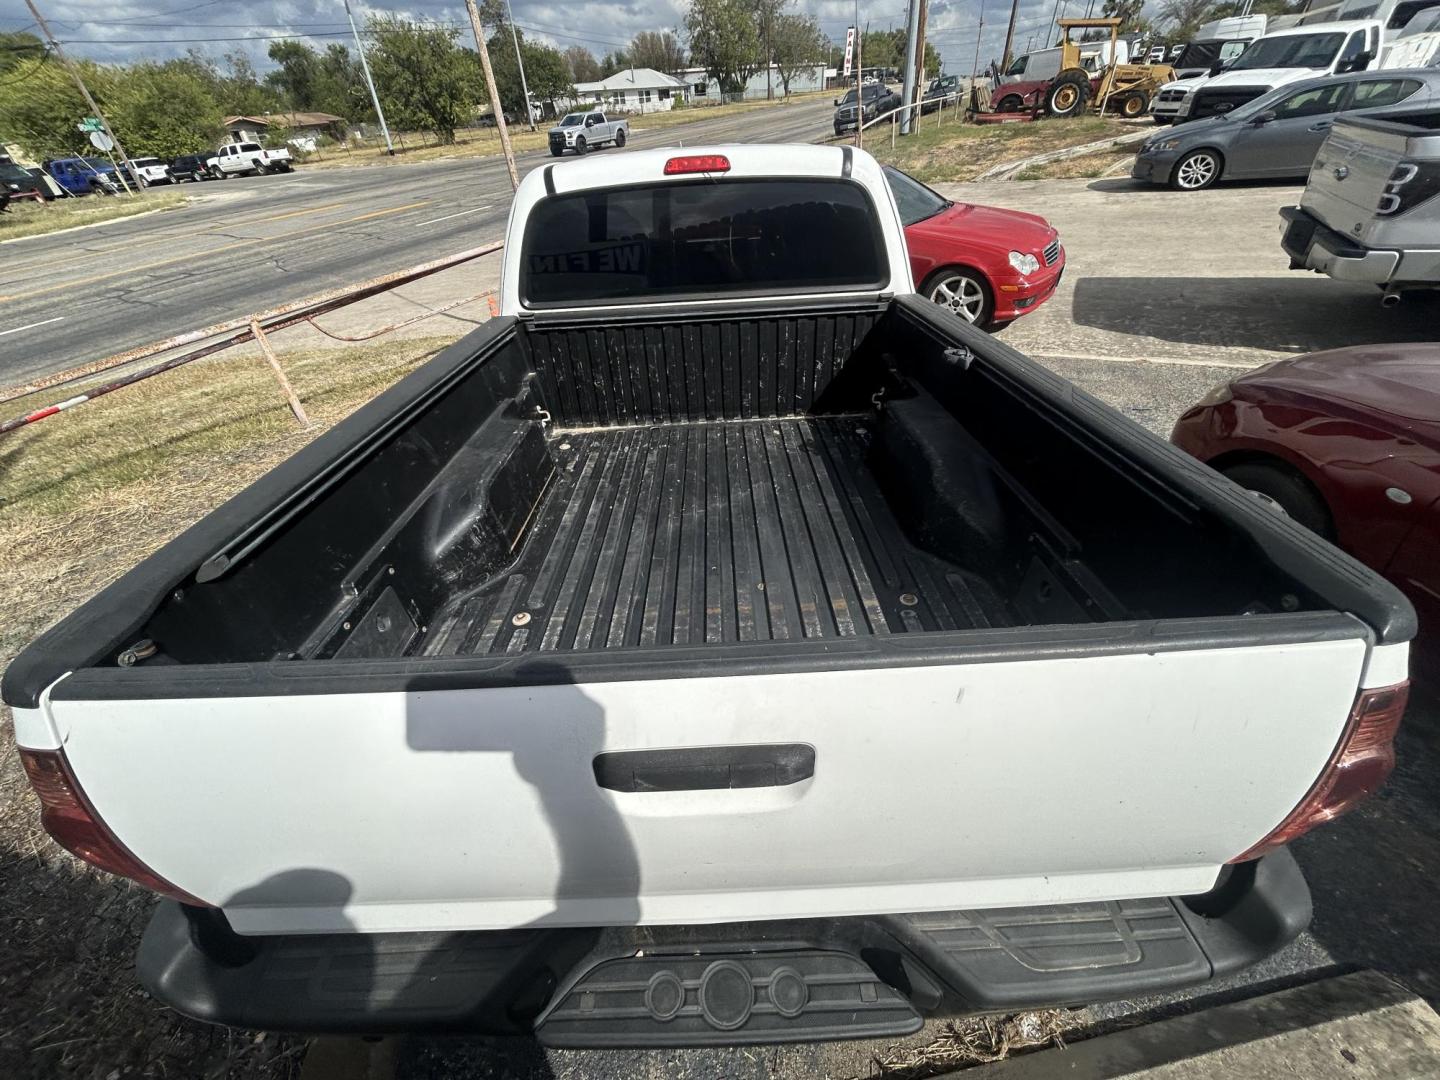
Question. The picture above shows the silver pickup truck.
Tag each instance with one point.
(583, 131)
(1370, 210)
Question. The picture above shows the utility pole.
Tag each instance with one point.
(84, 90)
(374, 97)
(980, 33)
(924, 6)
(1009, 36)
(859, 80)
(524, 86)
(500, 124)
(769, 10)
(908, 86)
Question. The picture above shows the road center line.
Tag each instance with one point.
(31, 326)
(447, 217)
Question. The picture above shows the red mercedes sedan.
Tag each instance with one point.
(988, 265)
(1348, 444)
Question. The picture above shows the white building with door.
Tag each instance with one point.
(634, 90)
(703, 88)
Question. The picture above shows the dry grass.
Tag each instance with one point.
(35, 219)
(976, 1041)
(956, 151)
(485, 142)
(83, 497)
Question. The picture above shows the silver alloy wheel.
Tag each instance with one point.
(1196, 171)
(962, 294)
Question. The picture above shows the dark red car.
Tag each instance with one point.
(988, 265)
(1347, 443)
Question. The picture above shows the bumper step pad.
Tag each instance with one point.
(1068, 952)
(742, 983)
(727, 999)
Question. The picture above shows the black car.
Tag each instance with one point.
(877, 99)
(189, 167)
(945, 88)
(17, 182)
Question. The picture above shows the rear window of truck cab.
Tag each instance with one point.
(697, 238)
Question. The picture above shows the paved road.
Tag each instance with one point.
(255, 242)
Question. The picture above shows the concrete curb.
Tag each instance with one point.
(1006, 170)
(1356, 1027)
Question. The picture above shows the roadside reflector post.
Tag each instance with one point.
(295, 406)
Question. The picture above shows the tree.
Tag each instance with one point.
(1128, 12)
(296, 74)
(610, 63)
(660, 50)
(1182, 18)
(725, 41)
(18, 49)
(546, 72)
(424, 77)
(240, 91)
(795, 44)
(583, 65)
(163, 110)
(41, 105)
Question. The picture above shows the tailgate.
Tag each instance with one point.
(984, 782)
(1348, 177)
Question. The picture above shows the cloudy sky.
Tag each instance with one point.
(124, 30)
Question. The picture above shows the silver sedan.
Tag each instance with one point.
(1277, 134)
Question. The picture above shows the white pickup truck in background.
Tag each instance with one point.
(723, 645)
(237, 159)
(1280, 57)
(581, 132)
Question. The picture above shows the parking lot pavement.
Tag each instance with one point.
(1189, 277)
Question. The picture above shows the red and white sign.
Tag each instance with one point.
(849, 51)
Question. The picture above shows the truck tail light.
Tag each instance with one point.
(1411, 183)
(1357, 768)
(697, 163)
(69, 818)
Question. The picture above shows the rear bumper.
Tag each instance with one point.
(1312, 245)
(734, 984)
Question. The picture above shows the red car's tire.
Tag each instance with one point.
(964, 291)
(1287, 489)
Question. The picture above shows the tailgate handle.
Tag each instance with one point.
(705, 768)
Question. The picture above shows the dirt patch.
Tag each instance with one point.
(35, 219)
(951, 150)
(86, 495)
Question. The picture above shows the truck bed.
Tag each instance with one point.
(680, 534)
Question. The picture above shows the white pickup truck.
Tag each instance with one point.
(581, 132)
(1280, 57)
(236, 159)
(723, 645)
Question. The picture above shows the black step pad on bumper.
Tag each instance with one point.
(729, 998)
(736, 984)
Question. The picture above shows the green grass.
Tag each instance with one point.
(35, 219)
(956, 151)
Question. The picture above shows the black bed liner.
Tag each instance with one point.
(764, 530)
